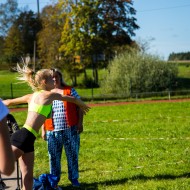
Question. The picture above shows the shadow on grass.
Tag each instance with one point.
(94, 186)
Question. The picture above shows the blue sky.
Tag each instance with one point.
(166, 22)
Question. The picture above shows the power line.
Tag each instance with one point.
(164, 8)
(32, 3)
(27, 3)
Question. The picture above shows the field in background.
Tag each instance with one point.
(9, 86)
(129, 147)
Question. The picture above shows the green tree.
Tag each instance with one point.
(118, 21)
(1, 45)
(21, 36)
(95, 27)
(74, 38)
(1, 49)
(179, 56)
(135, 72)
(49, 37)
(13, 47)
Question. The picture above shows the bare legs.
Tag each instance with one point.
(26, 162)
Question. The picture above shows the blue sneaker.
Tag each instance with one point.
(75, 183)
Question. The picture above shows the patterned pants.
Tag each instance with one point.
(70, 139)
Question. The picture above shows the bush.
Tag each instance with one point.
(89, 83)
(137, 72)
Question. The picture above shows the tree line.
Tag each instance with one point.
(183, 56)
(73, 35)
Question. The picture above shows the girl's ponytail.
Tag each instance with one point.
(26, 75)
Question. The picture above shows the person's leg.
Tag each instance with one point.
(26, 163)
(17, 152)
(75, 155)
(71, 145)
(24, 139)
(55, 146)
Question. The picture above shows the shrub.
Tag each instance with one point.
(89, 83)
(137, 72)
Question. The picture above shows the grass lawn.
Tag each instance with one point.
(9, 86)
(129, 147)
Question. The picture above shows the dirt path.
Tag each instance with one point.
(138, 102)
(118, 103)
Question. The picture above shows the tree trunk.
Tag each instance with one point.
(74, 79)
(96, 76)
(85, 75)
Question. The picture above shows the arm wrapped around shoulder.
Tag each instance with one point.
(84, 108)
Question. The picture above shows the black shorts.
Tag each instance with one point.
(24, 140)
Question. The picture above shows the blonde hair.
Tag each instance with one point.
(33, 79)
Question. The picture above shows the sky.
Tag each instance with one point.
(164, 24)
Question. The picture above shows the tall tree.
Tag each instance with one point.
(73, 38)
(13, 46)
(22, 34)
(1, 49)
(1, 45)
(96, 27)
(52, 25)
(118, 22)
(8, 13)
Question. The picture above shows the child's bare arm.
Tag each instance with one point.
(15, 101)
(7, 161)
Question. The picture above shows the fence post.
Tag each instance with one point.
(169, 97)
(136, 96)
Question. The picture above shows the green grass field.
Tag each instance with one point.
(10, 88)
(129, 147)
